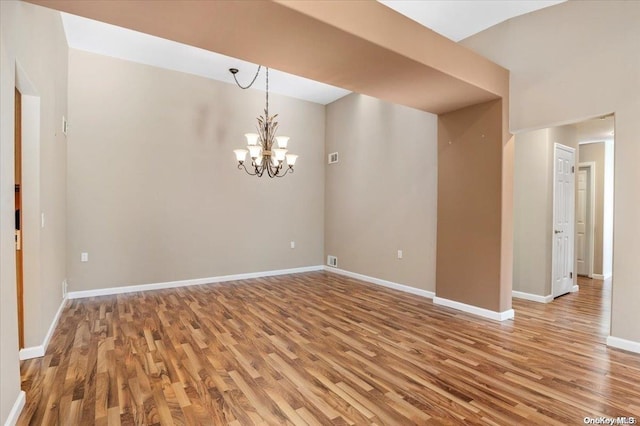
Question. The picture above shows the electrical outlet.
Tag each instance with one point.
(84, 257)
(332, 261)
(293, 244)
(399, 254)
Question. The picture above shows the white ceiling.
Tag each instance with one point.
(110, 40)
(596, 130)
(455, 19)
(459, 19)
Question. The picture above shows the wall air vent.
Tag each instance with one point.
(333, 157)
(332, 261)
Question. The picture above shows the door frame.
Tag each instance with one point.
(31, 202)
(572, 239)
(18, 206)
(591, 165)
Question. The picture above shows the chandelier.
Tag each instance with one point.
(261, 146)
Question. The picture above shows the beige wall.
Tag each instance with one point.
(470, 197)
(9, 366)
(381, 195)
(595, 152)
(34, 40)
(533, 221)
(571, 73)
(154, 194)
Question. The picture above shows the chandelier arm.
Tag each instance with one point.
(285, 172)
(243, 166)
(275, 171)
(234, 71)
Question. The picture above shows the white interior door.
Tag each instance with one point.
(563, 219)
(583, 222)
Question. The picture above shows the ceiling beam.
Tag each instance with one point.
(362, 46)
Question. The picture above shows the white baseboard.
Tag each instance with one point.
(531, 297)
(384, 283)
(38, 351)
(627, 345)
(575, 288)
(475, 310)
(14, 414)
(600, 277)
(31, 352)
(184, 283)
(498, 316)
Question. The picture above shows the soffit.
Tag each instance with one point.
(363, 47)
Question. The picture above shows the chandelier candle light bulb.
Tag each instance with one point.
(265, 155)
(252, 138)
(291, 159)
(241, 155)
(280, 153)
(254, 151)
(282, 141)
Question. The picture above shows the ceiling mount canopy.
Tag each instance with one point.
(265, 157)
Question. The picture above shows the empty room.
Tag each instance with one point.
(319, 212)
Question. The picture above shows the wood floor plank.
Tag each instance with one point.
(319, 349)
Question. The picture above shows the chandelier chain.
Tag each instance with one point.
(252, 81)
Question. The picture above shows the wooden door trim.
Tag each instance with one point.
(18, 206)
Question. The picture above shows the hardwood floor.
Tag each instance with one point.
(319, 348)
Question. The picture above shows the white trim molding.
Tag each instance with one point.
(575, 288)
(31, 352)
(532, 297)
(475, 310)
(600, 277)
(627, 345)
(38, 351)
(591, 165)
(405, 288)
(185, 283)
(14, 414)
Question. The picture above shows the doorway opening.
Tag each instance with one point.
(585, 218)
(597, 154)
(541, 262)
(28, 218)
